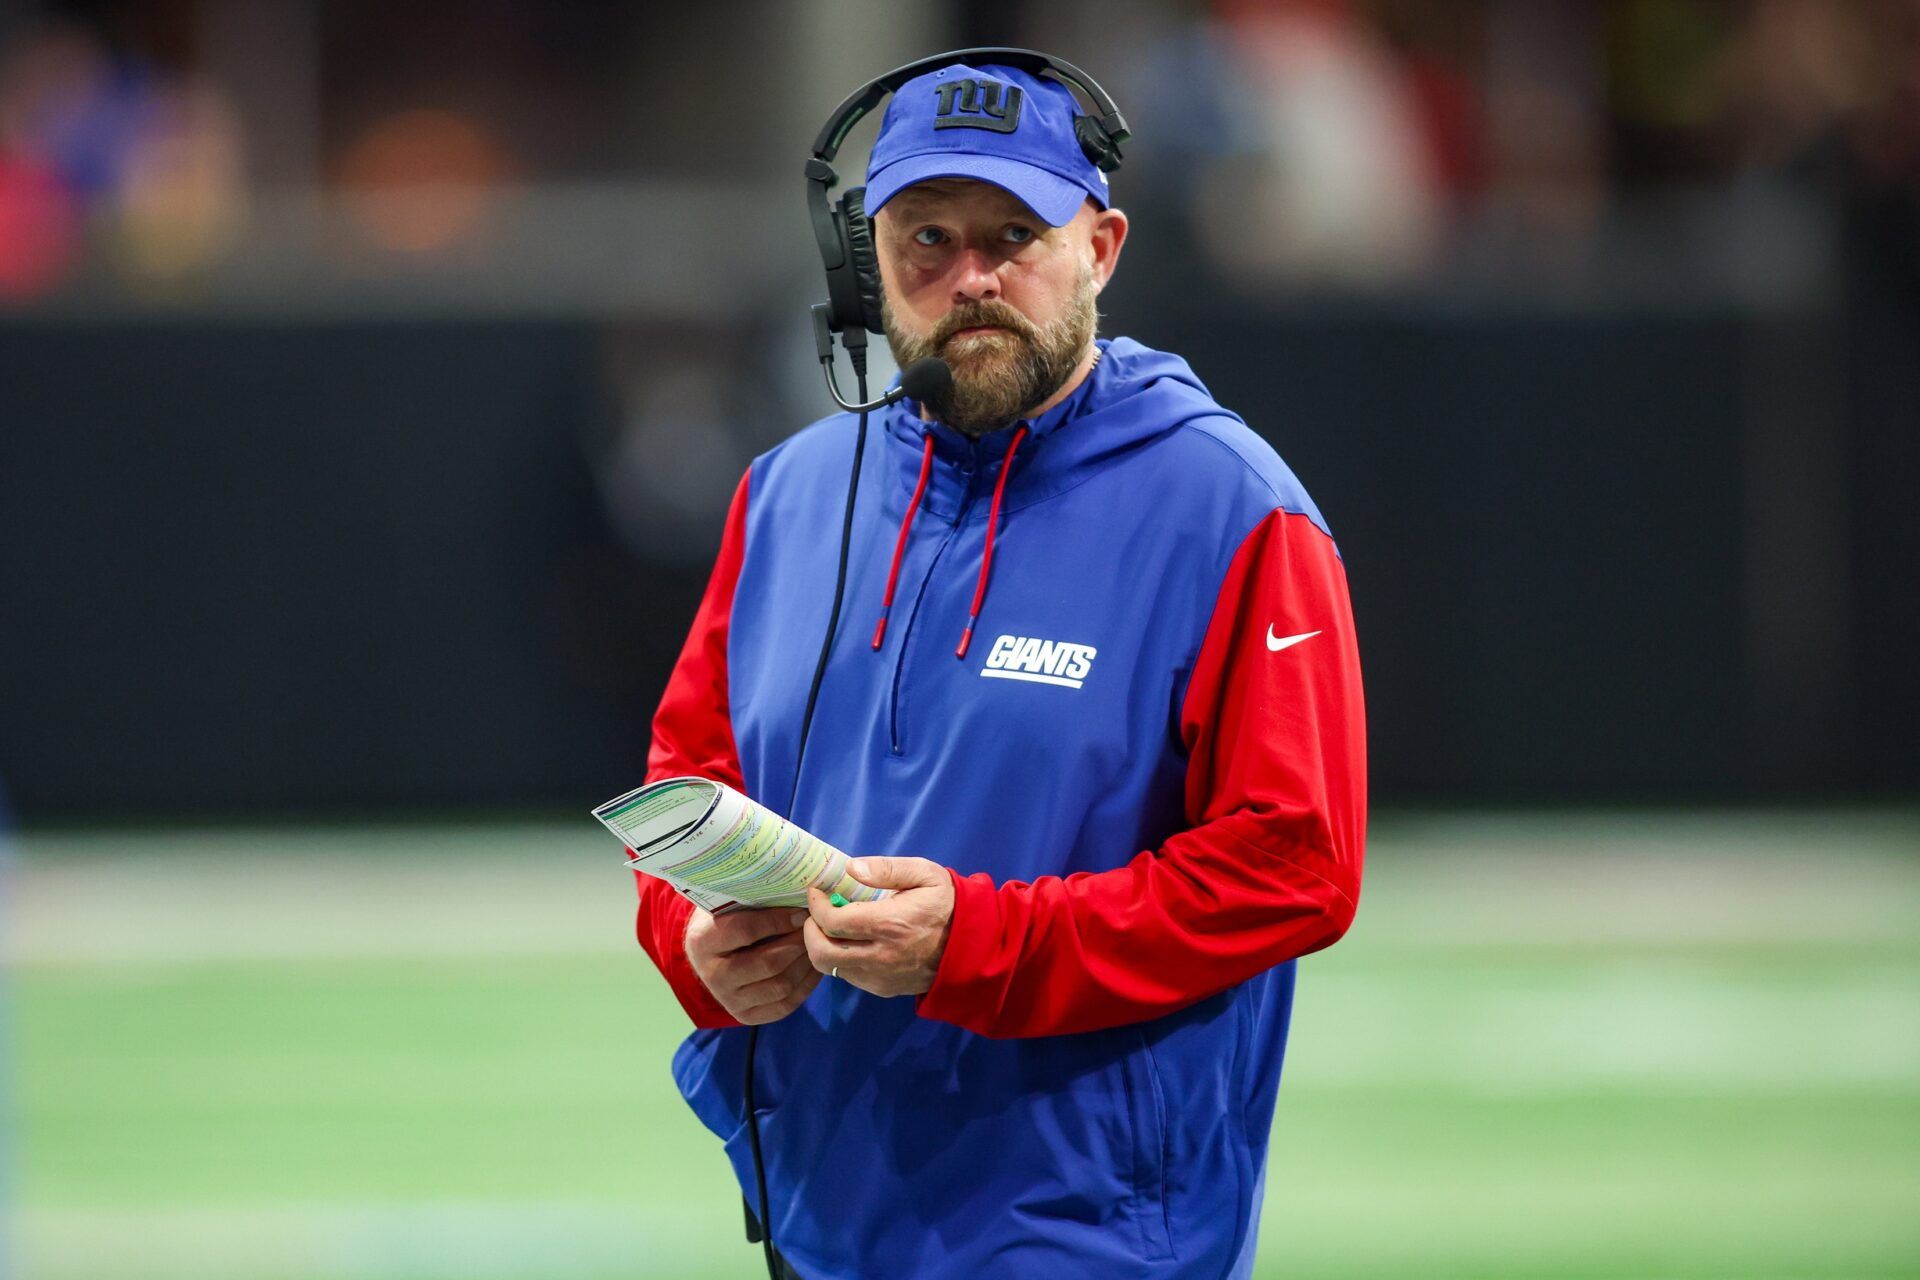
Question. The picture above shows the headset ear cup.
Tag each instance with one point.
(862, 258)
(1096, 143)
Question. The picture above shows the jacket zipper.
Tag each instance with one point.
(906, 635)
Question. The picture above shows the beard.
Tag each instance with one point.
(998, 376)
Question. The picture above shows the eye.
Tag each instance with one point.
(929, 236)
(1019, 234)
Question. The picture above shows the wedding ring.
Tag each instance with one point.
(835, 973)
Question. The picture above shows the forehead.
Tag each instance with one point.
(956, 197)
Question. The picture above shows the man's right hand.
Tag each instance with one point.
(754, 961)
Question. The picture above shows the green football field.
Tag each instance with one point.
(1603, 1045)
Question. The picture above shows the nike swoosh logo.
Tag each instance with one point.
(1275, 644)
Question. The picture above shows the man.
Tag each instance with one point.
(1104, 741)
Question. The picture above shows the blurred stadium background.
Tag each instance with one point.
(373, 379)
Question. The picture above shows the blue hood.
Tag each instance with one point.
(1133, 396)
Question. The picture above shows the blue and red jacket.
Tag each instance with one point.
(1101, 664)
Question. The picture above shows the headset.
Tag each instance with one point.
(852, 310)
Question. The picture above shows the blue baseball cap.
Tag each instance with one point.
(995, 124)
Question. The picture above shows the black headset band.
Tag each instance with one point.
(865, 99)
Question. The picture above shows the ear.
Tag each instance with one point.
(1108, 233)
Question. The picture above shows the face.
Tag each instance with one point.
(970, 274)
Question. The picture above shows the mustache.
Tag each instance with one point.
(973, 315)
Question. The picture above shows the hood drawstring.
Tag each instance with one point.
(986, 558)
(900, 546)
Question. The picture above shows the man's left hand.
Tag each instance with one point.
(891, 947)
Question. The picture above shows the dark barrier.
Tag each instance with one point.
(327, 565)
(1542, 529)
(315, 565)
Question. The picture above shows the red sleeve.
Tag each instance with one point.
(693, 735)
(1269, 867)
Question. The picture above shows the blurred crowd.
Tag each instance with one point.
(1358, 143)
(1347, 143)
(108, 153)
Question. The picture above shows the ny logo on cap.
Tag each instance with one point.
(977, 104)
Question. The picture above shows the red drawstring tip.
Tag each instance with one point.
(966, 637)
(879, 630)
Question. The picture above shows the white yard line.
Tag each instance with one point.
(381, 892)
(420, 1241)
(559, 889)
(1622, 1027)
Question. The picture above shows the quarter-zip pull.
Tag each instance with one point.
(900, 545)
(986, 556)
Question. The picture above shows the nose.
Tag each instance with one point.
(977, 278)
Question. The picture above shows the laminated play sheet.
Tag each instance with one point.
(721, 849)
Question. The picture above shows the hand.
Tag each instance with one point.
(754, 962)
(891, 947)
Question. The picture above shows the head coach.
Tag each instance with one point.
(1095, 718)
